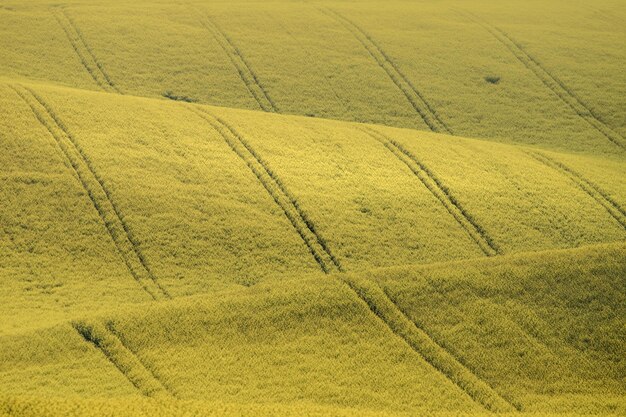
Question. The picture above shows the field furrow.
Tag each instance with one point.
(271, 182)
(611, 206)
(387, 311)
(106, 339)
(439, 191)
(246, 73)
(97, 191)
(84, 52)
(559, 88)
(413, 95)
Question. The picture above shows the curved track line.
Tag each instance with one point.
(85, 54)
(592, 190)
(110, 326)
(97, 191)
(559, 88)
(379, 303)
(413, 95)
(245, 71)
(439, 191)
(274, 186)
(125, 360)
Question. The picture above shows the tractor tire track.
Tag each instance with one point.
(563, 92)
(316, 244)
(381, 305)
(244, 69)
(84, 52)
(129, 364)
(592, 190)
(439, 191)
(412, 94)
(115, 332)
(111, 216)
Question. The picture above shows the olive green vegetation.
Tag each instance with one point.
(312, 208)
(157, 198)
(537, 332)
(538, 72)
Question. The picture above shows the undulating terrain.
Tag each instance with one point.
(308, 208)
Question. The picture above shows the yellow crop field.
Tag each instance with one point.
(312, 208)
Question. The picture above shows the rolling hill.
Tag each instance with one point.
(545, 73)
(312, 208)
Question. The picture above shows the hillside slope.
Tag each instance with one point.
(150, 199)
(540, 73)
(312, 208)
(536, 333)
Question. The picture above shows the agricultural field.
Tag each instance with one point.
(312, 208)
